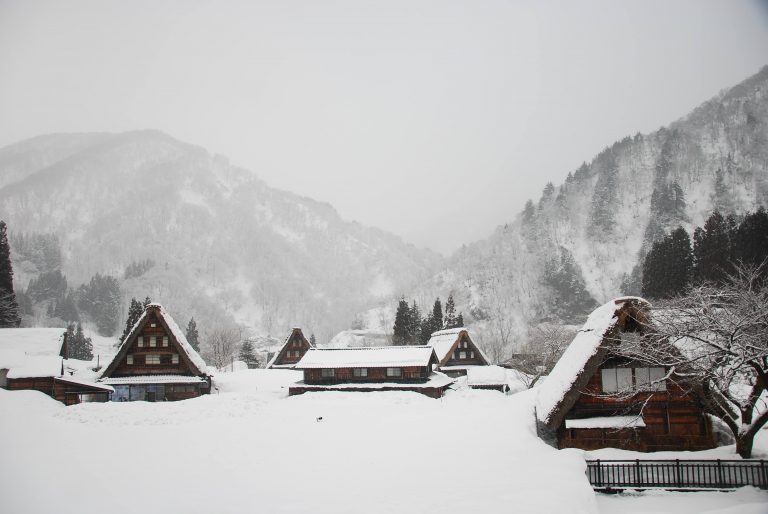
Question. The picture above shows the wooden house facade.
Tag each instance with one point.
(456, 351)
(595, 398)
(293, 349)
(385, 368)
(67, 390)
(155, 362)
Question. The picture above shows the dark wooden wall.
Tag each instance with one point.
(468, 361)
(64, 392)
(674, 421)
(408, 374)
(295, 343)
(139, 367)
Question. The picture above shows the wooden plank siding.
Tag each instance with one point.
(674, 420)
(346, 375)
(66, 393)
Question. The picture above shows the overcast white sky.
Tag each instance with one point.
(435, 120)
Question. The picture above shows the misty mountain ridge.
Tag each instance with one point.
(582, 242)
(222, 241)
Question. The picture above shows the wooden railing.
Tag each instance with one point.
(606, 475)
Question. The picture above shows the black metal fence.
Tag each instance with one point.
(608, 475)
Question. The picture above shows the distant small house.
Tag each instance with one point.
(34, 359)
(293, 349)
(456, 351)
(595, 398)
(489, 377)
(384, 368)
(155, 362)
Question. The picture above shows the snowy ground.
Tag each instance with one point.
(250, 448)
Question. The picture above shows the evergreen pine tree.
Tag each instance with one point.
(751, 246)
(192, 336)
(668, 267)
(414, 324)
(401, 330)
(712, 249)
(9, 308)
(147, 301)
(135, 310)
(437, 316)
(248, 354)
(426, 329)
(79, 346)
(450, 313)
(312, 340)
(460, 321)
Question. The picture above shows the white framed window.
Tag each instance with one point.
(472, 355)
(462, 355)
(327, 372)
(394, 372)
(656, 376)
(153, 325)
(129, 359)
(165, 340)
(175, 358)
(616, 379)
(153, 359)
(360, 372)
(152, 341)
(140, 341)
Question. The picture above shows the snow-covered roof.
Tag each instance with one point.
(153, 379)
(33, 366)
(178, 334)
(87, 383)
(616, 422)
(17, 343)
(584, 346)
(486, 376)
(369, 357)
(443, 340)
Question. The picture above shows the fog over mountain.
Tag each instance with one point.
(224, 244)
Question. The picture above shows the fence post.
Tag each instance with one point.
(638, 477)
(678, 478)
(764, 476)
(719, 473)
(599, 473)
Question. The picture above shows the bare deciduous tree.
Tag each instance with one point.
(545, 345)
(714, 339)
(220, 346)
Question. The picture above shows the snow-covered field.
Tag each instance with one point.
(250, 448)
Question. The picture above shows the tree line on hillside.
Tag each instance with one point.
(675, 263)
(410, 328)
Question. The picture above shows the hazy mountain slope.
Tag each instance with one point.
(222, 240)
(583, 238)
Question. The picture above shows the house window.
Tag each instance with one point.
(141, 341)
(152, 341)
(129, 359)
(153, 359)
(360, 372)
(462, 355)
(616, 379)
(650, 379)
(175, 358)
(471, 355)
(327, 372)
(165, 341)
(153, 325)
(394, 372)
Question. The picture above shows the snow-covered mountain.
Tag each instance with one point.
(579, 244)
(222, 241)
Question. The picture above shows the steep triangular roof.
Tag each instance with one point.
(188, 354)
(446, 341)
(562, 387)
(281, 352)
